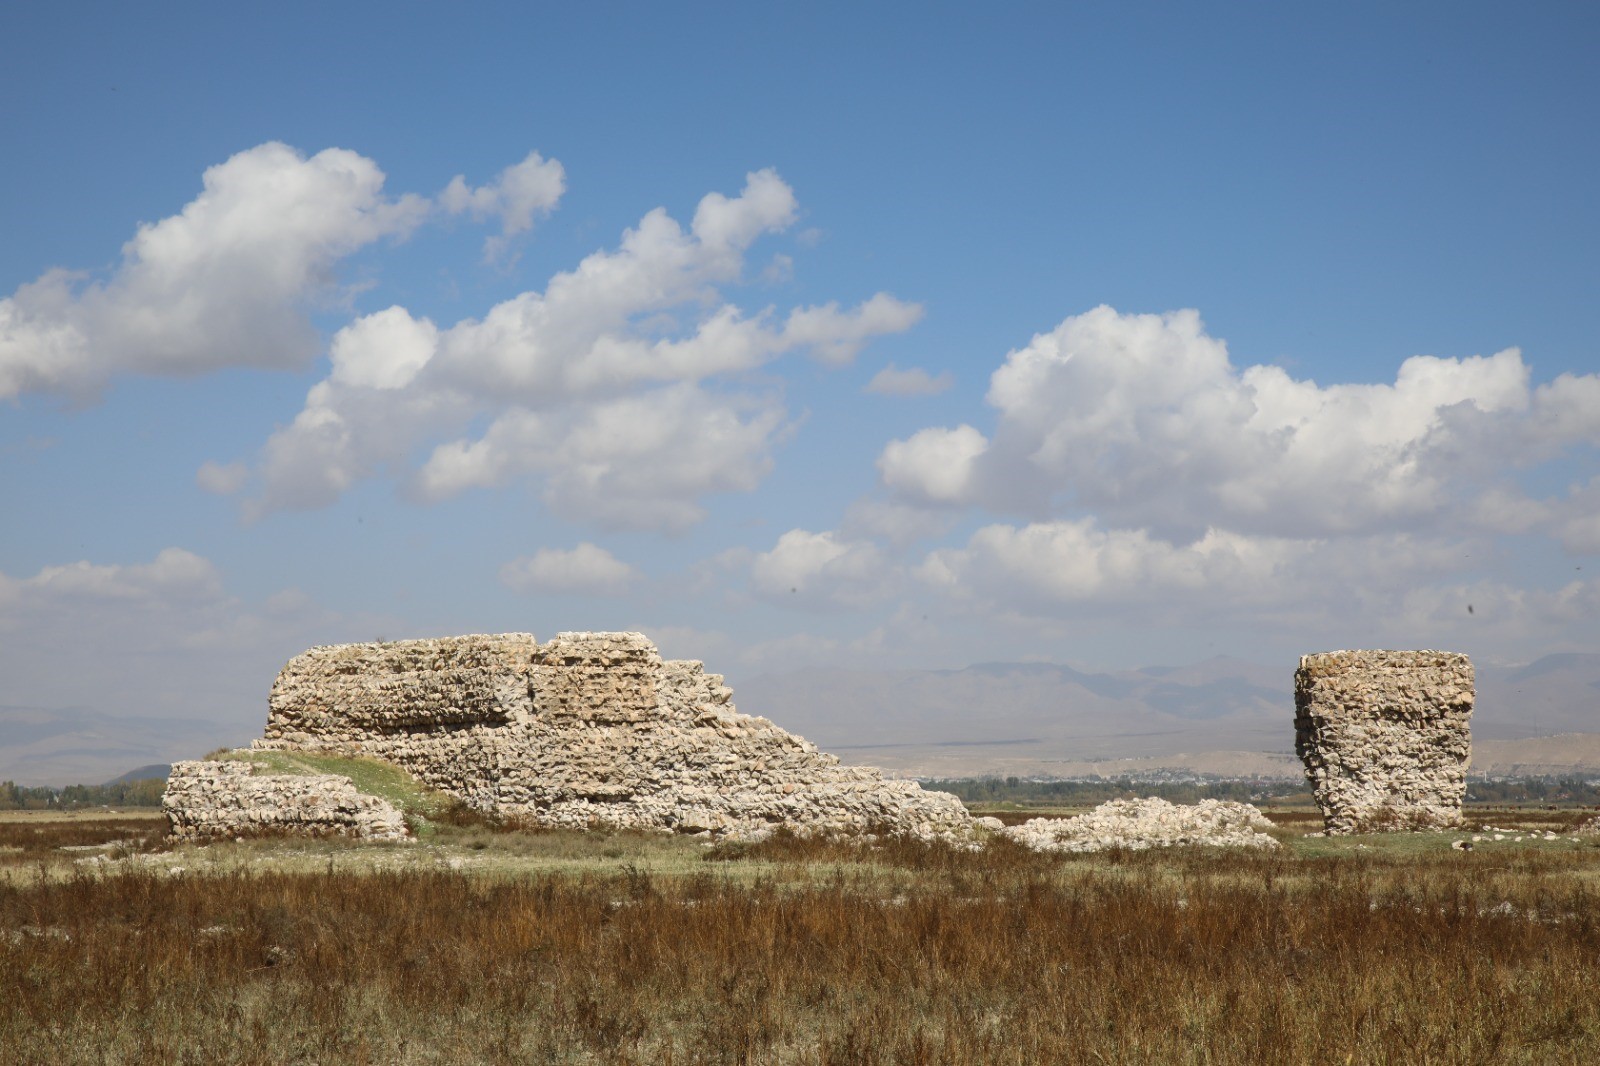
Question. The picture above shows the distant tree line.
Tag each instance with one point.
(1031, 792)
(145, 793)
(1567, 791)
(1028, 792)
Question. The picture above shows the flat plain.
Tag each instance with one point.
(484, 945)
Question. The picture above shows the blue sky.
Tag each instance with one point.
(1148, 279)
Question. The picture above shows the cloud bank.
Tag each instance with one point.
(1132, 473)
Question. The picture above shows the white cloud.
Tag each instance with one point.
(584, 570)
(935, 466)
(835, 336)
(766, 204)
(516, 196)
(638, 461)
(383, 351)
(891, 381)
(1143, 420)
(599, 389)
(174, 575)
(1074, 562)
(221, 284)
(822, 571)
(1393, 587)
(899, 524)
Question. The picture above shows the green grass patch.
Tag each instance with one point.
(372, 777)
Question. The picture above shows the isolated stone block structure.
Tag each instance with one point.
(1385, 736)
(225, 799)
(588, 728)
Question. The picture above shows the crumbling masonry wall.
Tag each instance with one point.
(589, 728)
(225, 799)
(1385, 737)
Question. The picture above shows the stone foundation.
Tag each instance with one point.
(224, 799)
(1385, 737)
(587, 729)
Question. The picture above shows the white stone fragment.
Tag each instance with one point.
(1148, 823)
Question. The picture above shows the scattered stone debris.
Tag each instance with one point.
(587, 729)
(1385, 737)
(225, 799)
(1148, 823)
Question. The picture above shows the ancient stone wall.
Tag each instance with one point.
(225, 799)
(589, 728)
(1385, 737)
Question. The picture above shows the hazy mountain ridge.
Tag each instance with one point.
(1218, 713)
(75, 745)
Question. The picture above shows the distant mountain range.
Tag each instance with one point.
(1225, 716)
(1041, 718)
(74, 746)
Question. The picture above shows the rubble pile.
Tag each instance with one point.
(1148, 823)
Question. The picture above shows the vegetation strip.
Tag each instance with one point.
(655, 949)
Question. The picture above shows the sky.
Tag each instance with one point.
(890, 336)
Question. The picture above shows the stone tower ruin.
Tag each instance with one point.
(1385, 737)
(586, 729)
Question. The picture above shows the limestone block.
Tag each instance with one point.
(1385, 737)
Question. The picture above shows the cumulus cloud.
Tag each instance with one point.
(615, 389)
(891, 381)
(222, 283)
(639, 461)
(516, 196)
(821, 571)
(584, 570)
(383, 351)
(174, 575)
(934, 466)
(1144, 420)
(1159, 485)
(835, 336)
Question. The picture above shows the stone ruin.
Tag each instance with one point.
(589, 729)
(1385, 737)
(1139, 824)
(224, 799)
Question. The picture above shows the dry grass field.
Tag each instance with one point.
(480, 946)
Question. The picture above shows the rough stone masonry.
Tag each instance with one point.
(587, 729)
(1385, 737)
(226, 799)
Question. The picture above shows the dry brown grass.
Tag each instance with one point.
(810, 952)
